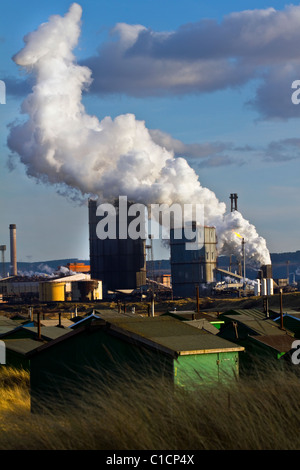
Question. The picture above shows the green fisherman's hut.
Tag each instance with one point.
(155, 346)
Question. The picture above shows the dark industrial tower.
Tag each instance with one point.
(233, 198)
(193, 268)
(118, 263)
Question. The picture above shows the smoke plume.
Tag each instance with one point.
(61, 144)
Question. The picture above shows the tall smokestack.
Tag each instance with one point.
(13, 250)
(233, 198)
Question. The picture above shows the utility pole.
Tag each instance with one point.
(244, 261)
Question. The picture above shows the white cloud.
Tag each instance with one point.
(206, 56)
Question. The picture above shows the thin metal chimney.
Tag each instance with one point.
(13, 250)
(3, 249)
(233, 198)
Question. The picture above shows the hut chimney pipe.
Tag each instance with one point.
(281, 311)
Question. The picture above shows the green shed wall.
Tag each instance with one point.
(67, 365)
(193, 369)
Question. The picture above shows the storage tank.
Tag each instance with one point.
(270, 286)
(257, 287)
(264, 287)
(118, 263)
(52, 291)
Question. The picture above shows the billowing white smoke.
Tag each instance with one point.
(62, 145)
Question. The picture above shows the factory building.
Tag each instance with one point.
(78, 267)
(77, 287)
(118, 263)
(193, 264)
(264, 283)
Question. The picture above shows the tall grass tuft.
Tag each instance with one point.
(259, 412)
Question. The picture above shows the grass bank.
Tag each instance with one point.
(257, 413)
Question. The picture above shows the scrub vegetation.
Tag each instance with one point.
(257, 412)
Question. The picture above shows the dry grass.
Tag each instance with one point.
(261, 412)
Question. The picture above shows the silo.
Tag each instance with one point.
(118, 263)
(257, 287)
(52, 291)
(267, 283)
(192, 264)
(264, 287)
(270, 286)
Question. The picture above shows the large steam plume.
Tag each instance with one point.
(62, 145)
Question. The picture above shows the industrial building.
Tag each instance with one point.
(78, 267)
(264, 282)
(77, 287)
(119, 263)
(196, 267)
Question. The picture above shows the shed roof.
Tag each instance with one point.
(5, 321)
(48, 332)
(250, 312)
(5, 329)
(100, 314)
(260, 327)
(23, 346)
(291, 312)
(165, 334)
(173, 335)
(282, 343)
(189, 315)
(50, 322)
(204, 325)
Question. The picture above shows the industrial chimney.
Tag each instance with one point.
(233, 198)
(13, 250)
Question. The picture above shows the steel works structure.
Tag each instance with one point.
(193, 264)
(119, 263)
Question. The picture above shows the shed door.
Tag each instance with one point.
(228, 365)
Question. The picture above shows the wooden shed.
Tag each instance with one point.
(163, 346)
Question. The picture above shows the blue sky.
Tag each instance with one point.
(244, 116)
